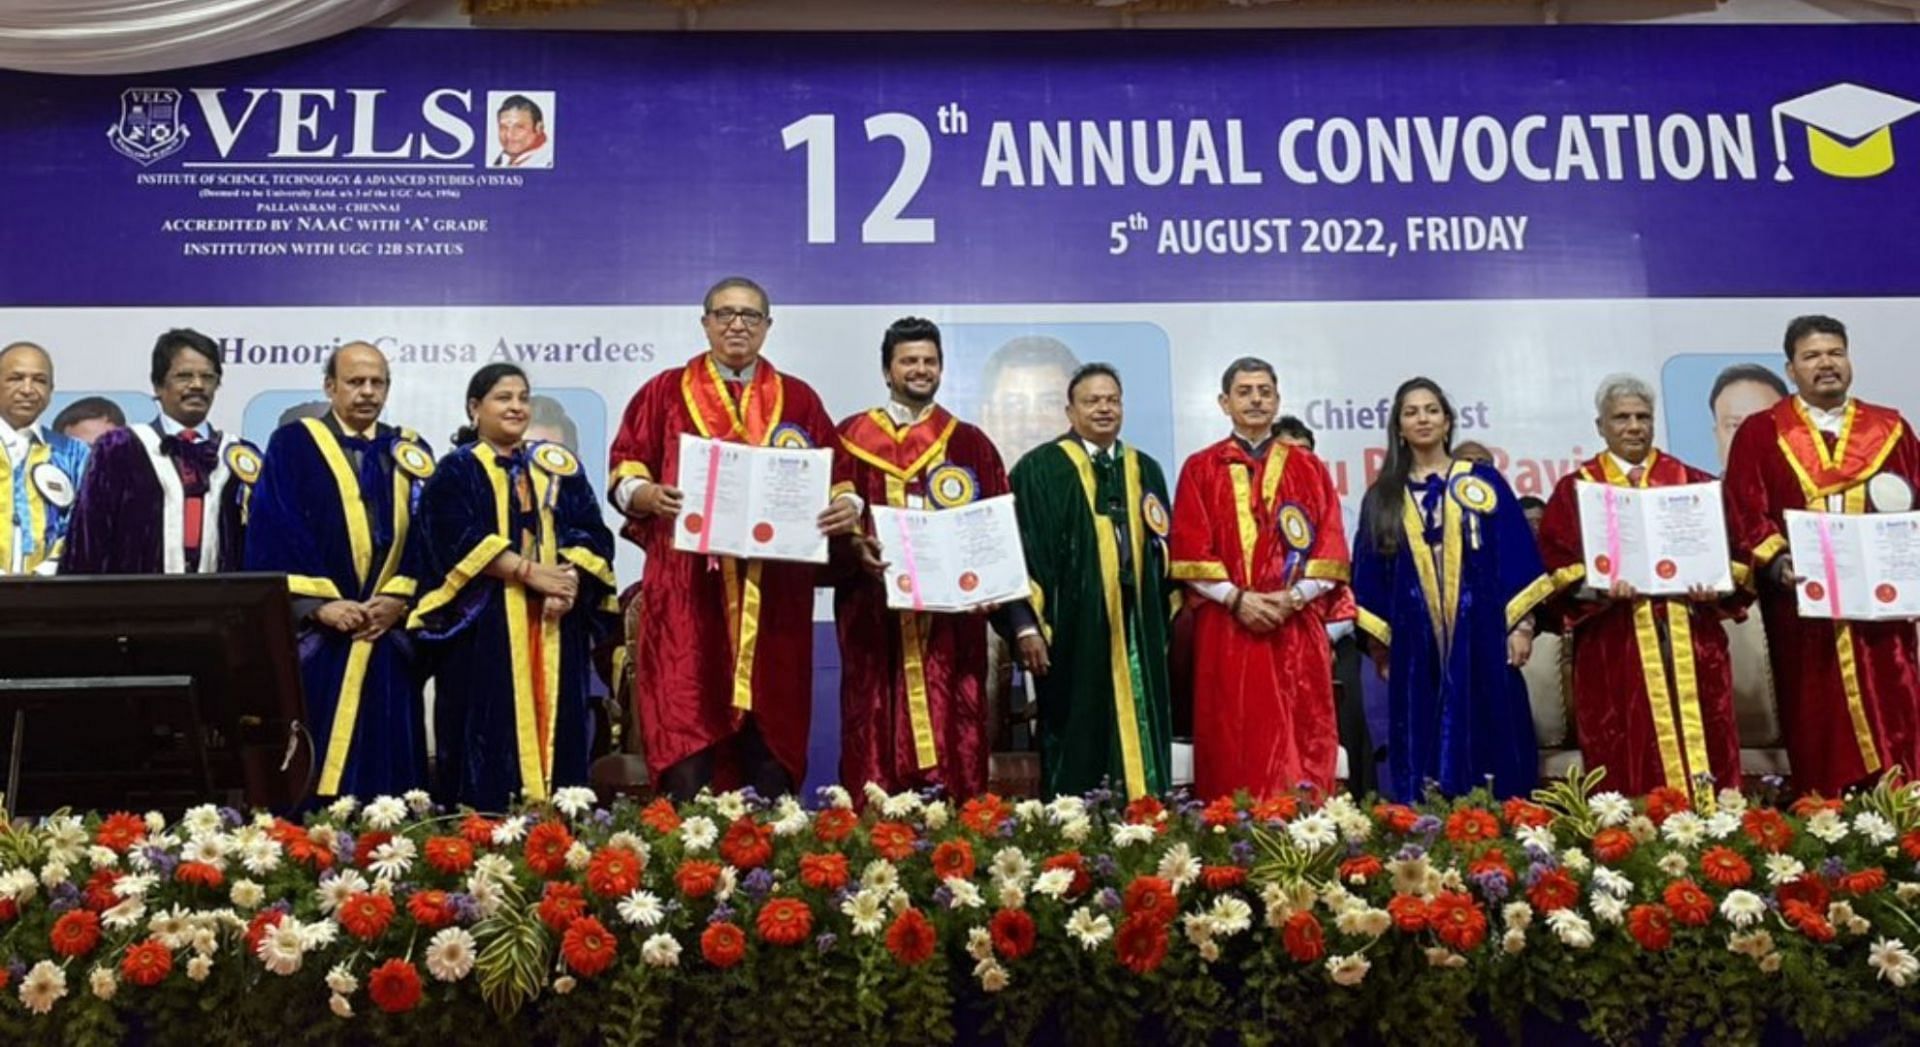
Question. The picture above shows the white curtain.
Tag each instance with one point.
(137, 36)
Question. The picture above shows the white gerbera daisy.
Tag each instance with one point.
(384, 813)
(661, 950)
(450, 954)
(642, 909)
(43, 986)
(1348, 970)
(1088, 929)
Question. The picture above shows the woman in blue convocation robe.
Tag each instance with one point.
(516, 584)
(333, 511)
(1446, 576)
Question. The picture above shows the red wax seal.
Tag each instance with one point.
(905, 583)
(1816, 591)
(1602, 564)
(1666, 569)
(763, 532)
(969, 582)
(695, 522)
(1885, 592)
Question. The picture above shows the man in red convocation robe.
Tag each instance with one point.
(1849, 691)
(913, 708)
(1257, 533)
(1652, 676)
(723, 659)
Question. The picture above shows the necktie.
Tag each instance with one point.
(194, 486)
(1635, 475)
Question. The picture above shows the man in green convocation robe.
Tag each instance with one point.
(1093, 520)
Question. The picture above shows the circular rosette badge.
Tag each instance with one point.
(1890, 493)
(413, 459)
(1296, 528)
(951, 486)
(556, 460)
(1154, 512)
(244, 461)
(53, 484)
(1474, 494)
(790, 437)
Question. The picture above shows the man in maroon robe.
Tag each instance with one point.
(723, 659)
(1257, 535)
(168, 497)
(1652, 678)
(1849, 691)
(913, 710)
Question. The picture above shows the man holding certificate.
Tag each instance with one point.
(913, 710)
(1848, 685)
(1257, 533)
(1652, 677)
(724, 653)
(1094, 522)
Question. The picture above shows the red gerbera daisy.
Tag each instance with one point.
(723, 944)
(785, 921)
(75, 933)
(365, 915)
(394, 986)
(1013, 933)
(588, 947)
(953, 860)
(910, 937)
(147, 963)
(547, 847)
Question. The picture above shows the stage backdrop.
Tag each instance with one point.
(1514, 212)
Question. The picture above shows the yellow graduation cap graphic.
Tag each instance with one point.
(1849, 129)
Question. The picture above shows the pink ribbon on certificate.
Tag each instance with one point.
(1832, 570)
(713, 484)
(906, 554)
(1613, 533)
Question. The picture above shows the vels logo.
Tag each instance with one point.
(1849, 130)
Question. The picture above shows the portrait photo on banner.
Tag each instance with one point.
(1708, 395)
(1011, 380)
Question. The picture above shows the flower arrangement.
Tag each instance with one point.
(916, 919)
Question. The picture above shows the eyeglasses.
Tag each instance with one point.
(194, 378)
(749, 318)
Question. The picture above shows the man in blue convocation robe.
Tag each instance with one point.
(332, 511)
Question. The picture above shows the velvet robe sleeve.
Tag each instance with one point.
(1523, 581)
(454, 539)
(285, 506)
(104, 522)
(640, 447)
(1563, 555)
(1329, 559)
(1193, 546)
(1373, 581)
(1755, 533)
(585, 542)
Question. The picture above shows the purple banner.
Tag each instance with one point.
(405, 167)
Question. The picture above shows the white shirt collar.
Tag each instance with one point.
(1626, 468)
(20, 437)
(1093, 449)
(903, 415)
(1824, 420)
(169, 427)
(728, 374)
